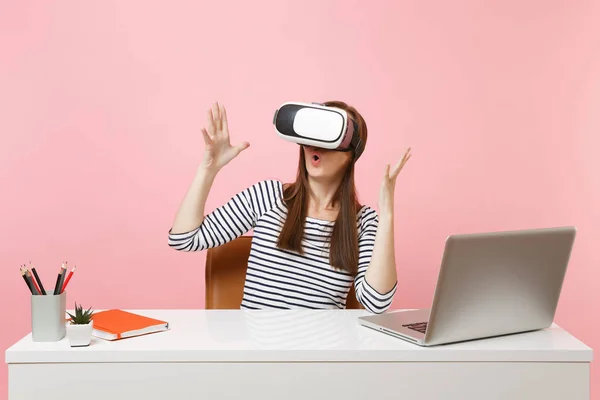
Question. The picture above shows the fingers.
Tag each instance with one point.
(400, 164)
(216, 116)
(396, 170)
(241, 147)
(407, 155)
(207, 138)
(405, 158)
(211, 123)
(386, 171)
(225, 125)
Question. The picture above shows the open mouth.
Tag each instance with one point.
(315, 159)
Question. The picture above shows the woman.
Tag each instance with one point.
(312, 239)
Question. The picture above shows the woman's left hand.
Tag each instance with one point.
(388, 184)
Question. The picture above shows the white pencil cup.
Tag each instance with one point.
(48, 317)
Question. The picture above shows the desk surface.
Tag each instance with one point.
(292, 336)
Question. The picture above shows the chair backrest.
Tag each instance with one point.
(226, 272)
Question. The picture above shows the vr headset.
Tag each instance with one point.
(315, 124)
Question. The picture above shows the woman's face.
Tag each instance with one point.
(327, 164)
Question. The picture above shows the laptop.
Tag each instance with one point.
(489, 284)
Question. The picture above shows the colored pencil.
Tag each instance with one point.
(59, 279)
(39, 281)
(30, 281)
(30, 277)
(26, 281)
(68, 279)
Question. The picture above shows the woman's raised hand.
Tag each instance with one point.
(218, 149)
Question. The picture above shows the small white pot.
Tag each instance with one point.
(79, 335)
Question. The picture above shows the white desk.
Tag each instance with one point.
(210, 354)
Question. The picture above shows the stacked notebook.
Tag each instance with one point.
(118, 324)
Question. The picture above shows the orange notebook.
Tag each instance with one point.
(118, 324)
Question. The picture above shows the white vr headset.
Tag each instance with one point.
(314, 124)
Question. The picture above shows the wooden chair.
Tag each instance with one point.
(226, 271)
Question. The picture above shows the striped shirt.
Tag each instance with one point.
(282, 279)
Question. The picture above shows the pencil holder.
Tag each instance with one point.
(48, 317)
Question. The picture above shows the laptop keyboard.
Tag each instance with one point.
(417, 326)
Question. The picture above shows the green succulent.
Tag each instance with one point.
(81, 317)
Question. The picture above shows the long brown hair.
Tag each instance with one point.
(343, 249)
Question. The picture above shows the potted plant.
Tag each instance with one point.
(80, 327)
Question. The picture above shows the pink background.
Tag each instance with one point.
(101, 105)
